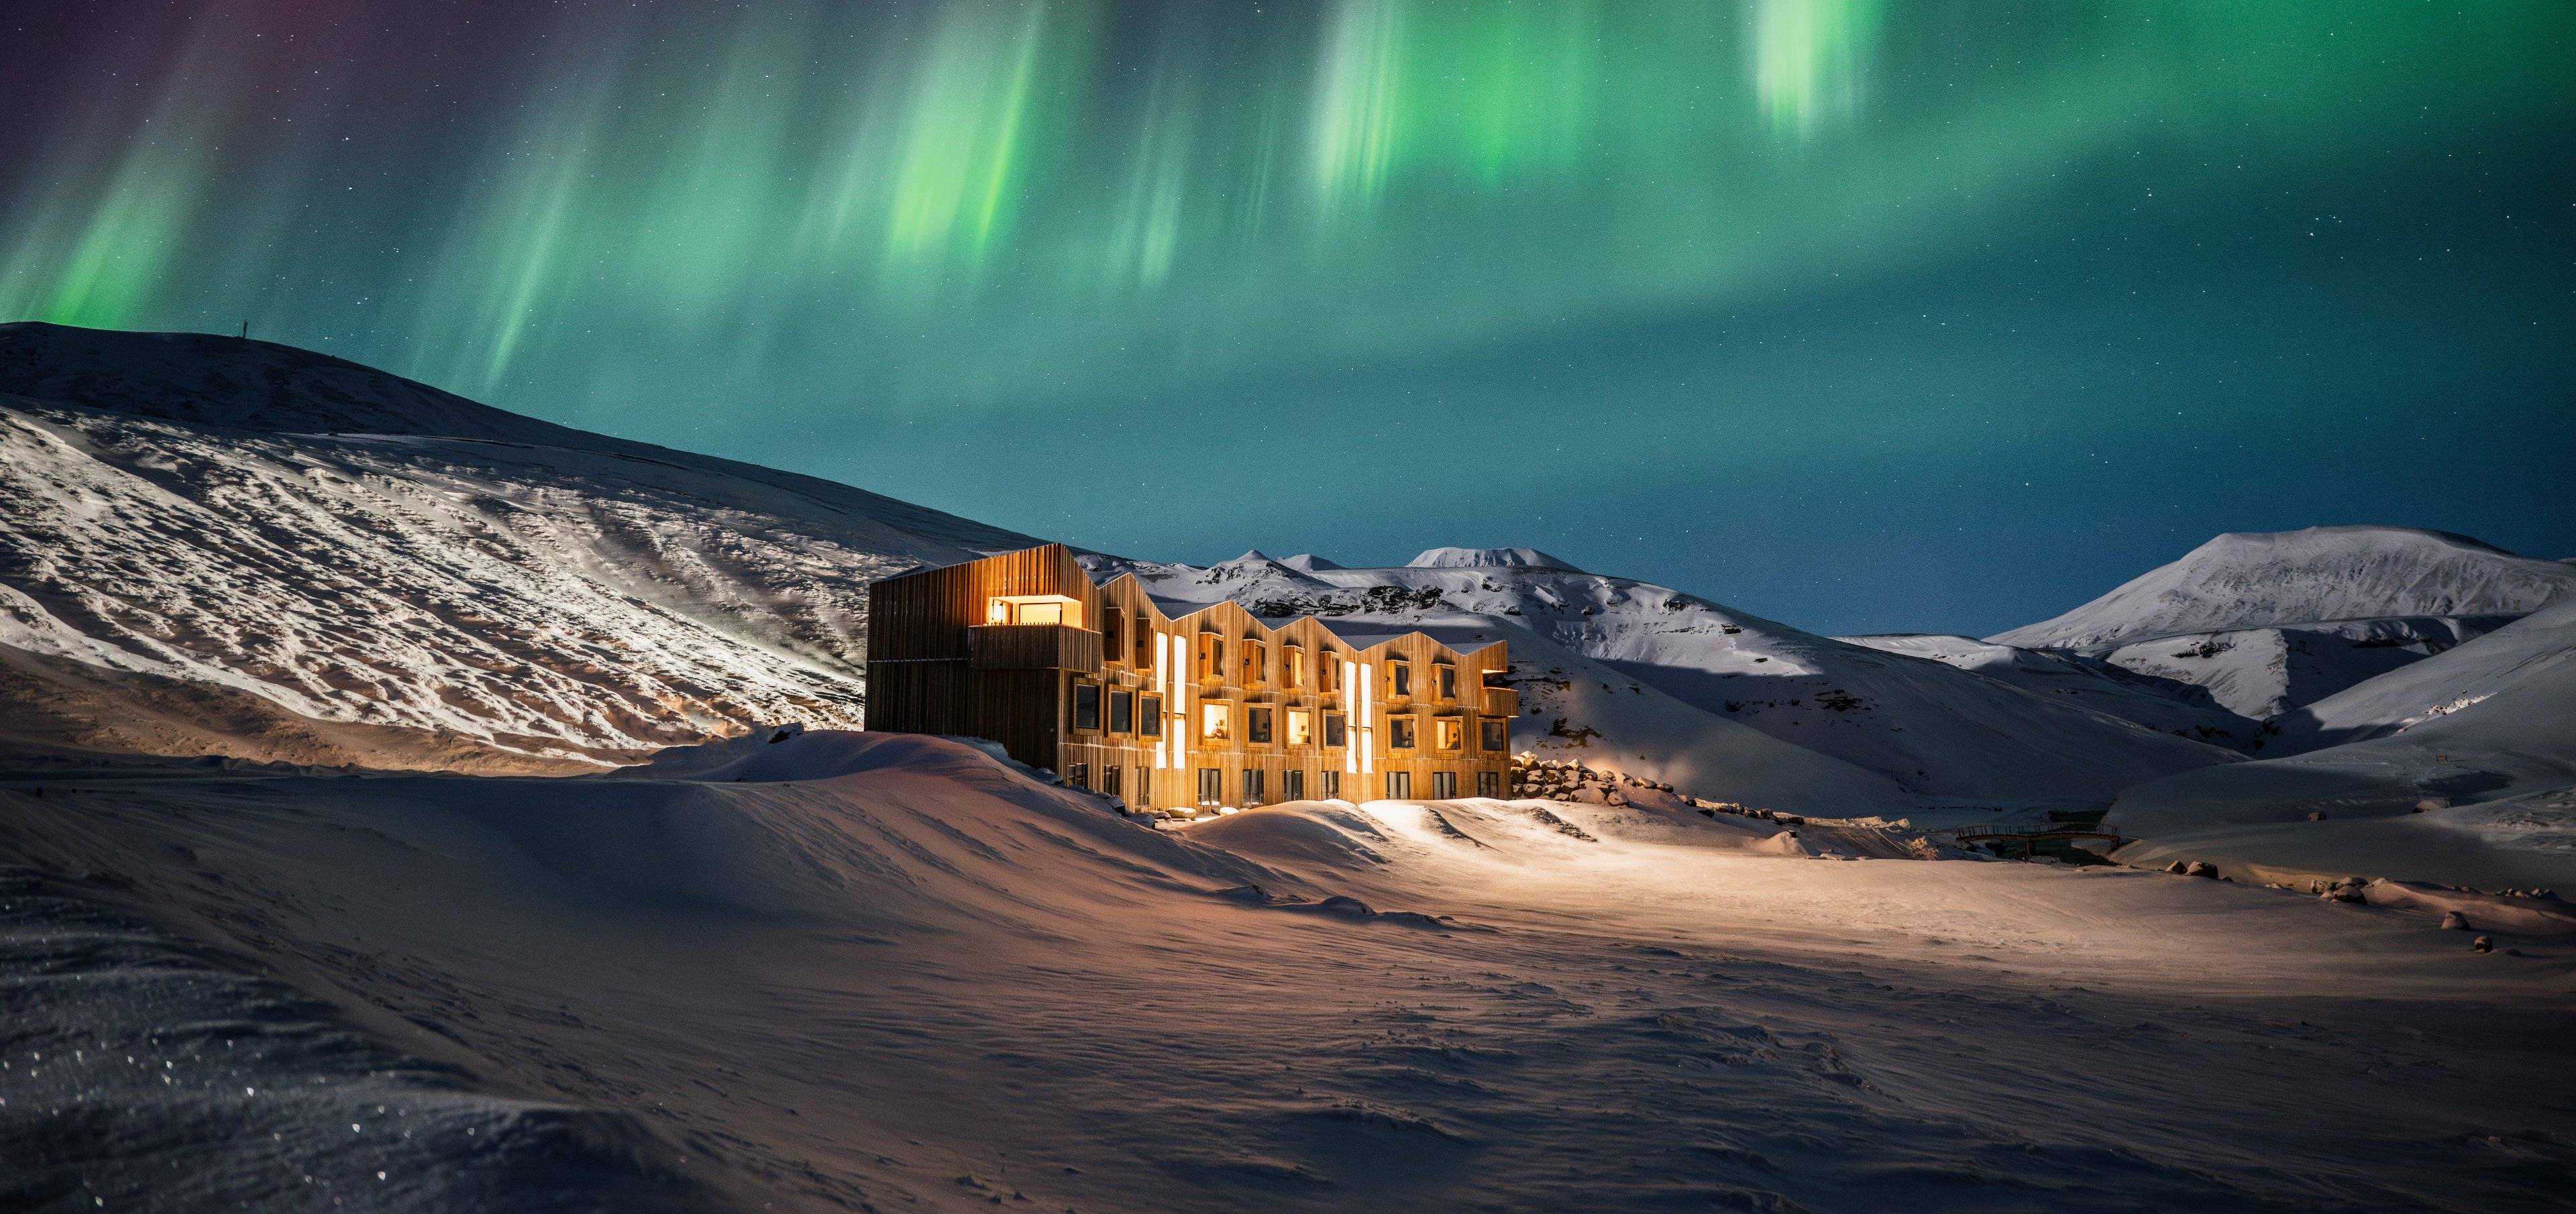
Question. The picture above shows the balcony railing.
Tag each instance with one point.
(1500, 702)
(1032, 647)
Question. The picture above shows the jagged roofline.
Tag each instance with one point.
(1267, 632)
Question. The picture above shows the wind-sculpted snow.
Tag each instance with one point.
(916, 979)
(547, 594)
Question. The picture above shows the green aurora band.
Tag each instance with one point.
(617, 213)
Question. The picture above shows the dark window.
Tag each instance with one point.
(1448, 680)
(1336, 730)
(1399, 733)
(1086, 706)
(1109, 779)
(1489, 783)
(1211, 656)
(1122, 712)
(1144, 787)
(1113, 643)
(1211, 785)
(1444, 786)
(1256, 725)
(1399, 785)
(1152, 725)
(1331, 670)
(1333, 785)
(1081, 777)
(1497, 735)
(1292, 786)
(1252, 665)
(1399, 680)
(1252, 785)
(1144, 642)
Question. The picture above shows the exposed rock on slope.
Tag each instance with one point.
(322, 545)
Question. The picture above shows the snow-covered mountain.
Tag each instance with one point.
(2285, 578)
(2268, 622)
(218, 546)
(1620, 665)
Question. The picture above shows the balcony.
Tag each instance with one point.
(1499, 702)
(1032, 647)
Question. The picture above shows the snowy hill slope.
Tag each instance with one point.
(1931, 729)
(2161, 704)
(2270, 579)
(2479, 736)
(2262, 673)
(253, 531)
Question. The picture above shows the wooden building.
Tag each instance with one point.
(1210, 708)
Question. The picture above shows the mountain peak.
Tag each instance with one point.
(1489, 558)
(2263, 579)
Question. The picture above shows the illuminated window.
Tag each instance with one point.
(1086, 706)
(1216, 722)
(1122, 713)
(1034, 609)
(1211, 656)
(1447, 733)
(1498, 734)
(1256, 725)
(1399, 679)
(1448, 677)
(1292, 663)
(1336, 729)
(1151, 722)
(1399, 733)
(1301, 727)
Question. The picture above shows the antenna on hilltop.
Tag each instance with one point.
(245, 330)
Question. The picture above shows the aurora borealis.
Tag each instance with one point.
(1868, 314)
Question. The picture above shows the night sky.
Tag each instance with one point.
(1869, 315)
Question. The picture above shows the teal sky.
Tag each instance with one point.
(1864, 314)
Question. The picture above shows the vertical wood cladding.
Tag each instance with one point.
(936, 666)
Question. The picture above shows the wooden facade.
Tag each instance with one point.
(1210, 709)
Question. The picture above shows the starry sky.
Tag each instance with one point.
(1867, 315)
